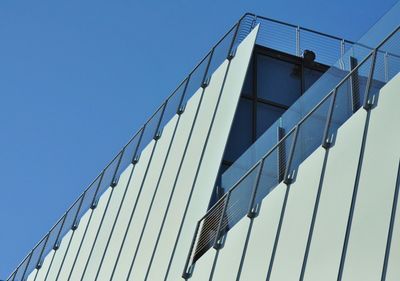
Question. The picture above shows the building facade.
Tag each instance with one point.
(277, 158)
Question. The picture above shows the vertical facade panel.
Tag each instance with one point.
(228, 262)
(371, 220)
(132, 191)
(164, 190)
(105, 228)
(297, 219)
(185, 179)
(262, 238)
(218, 136)
(89, 237)
(393, 266)
(148, 189)
(46, 263)
(333, 211)
(58, 257)
(73, 248)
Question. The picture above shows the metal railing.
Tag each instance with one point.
(359, 88)
(273, 34)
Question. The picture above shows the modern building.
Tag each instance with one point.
(277, 158)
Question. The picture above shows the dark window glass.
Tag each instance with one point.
(278, 81)
(240, 137)
(266, 116)
(248, 82)
(310, 76)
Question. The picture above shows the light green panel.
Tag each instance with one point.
(90, 236)
(144, 200)
(333, 211)
(229, 256)
(185, 180)
(165, 187)
(53, 270)
(106, 226)
(369, 230)
(393, 267)
(73, 248)
(297, 219)
(262, 238)
(214, 150)
(46, 263)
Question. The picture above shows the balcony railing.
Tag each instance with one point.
(359, 88)
(273, 34)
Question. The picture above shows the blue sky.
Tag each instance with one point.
(78, 78)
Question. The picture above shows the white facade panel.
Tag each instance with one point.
(393, 267)
(333, 211)
(369, 230)
(230, 255)
(148, 187)
(297, 219)
(89, 237)
(213, 153)
(262, 238)
(73, 247)
(165, 188)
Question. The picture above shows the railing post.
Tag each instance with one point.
(298, 41)
(216, 245)
(26, 266)
(386, 64)
(157, 134)
(115, 178)
(57, 242)
(135, 157)
(253, 210)
(40, 261)
(342, 49)
(281, 154)
(354, 84)
(188, 270)
(75, 222)
(369, 101)
(93, 205)
(289, 177)
(231, 51)
(206, 78)
(181, 107)
(327, 141)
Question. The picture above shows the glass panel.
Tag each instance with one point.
(310, 134)
(266, 116)
(51, 242)
(172, 106)
(70, 218)
(35, 256)
(108, 176)
(128, 154)
(239, 200)
(342, 109)
(310, 76)
(150, 130)
(220, 52)
(196, 79)
(21, 269)
(240, 137)
(278, 81)
(88, 197)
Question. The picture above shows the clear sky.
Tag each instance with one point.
(78, 78)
